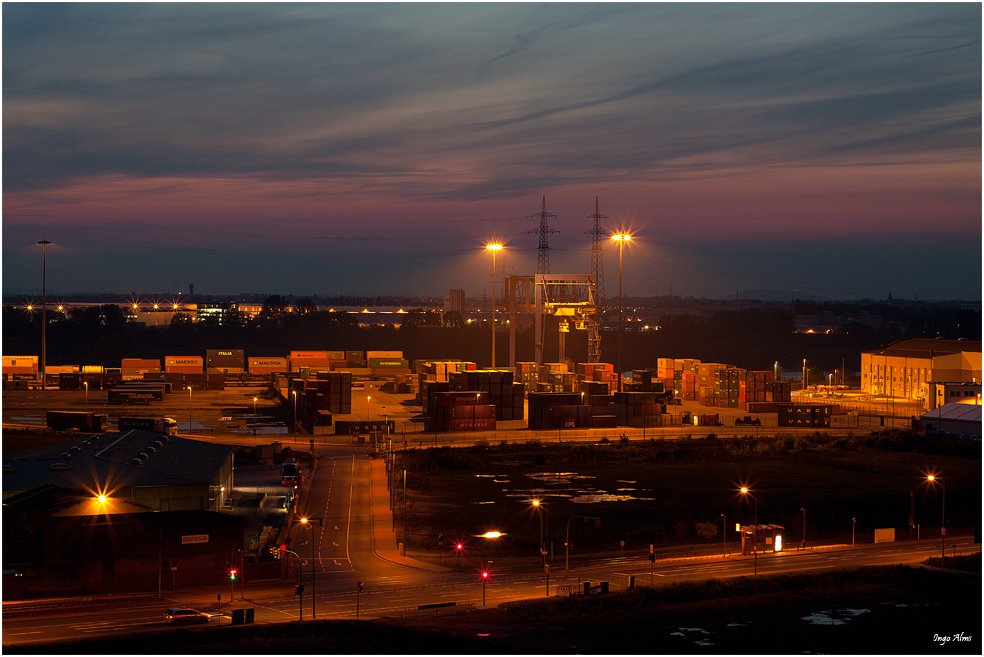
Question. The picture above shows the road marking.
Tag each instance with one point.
(20, 633)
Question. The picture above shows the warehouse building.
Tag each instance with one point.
(905, 369)
(64, 541)
(147, 468)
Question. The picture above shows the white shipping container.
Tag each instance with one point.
(20, 361)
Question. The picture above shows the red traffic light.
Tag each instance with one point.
(485, 574)
(232, 573)
(361, 585)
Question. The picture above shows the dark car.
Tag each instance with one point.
(184, 615)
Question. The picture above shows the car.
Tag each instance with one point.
(183, 616)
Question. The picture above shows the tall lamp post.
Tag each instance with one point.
(621, 238)
(494, 248)
(86, 384)
(933, 479)
(747, 491)
(293, 426)
(724, 535)
(189, 410)
(803, 544)
(44, 307)
(315, 555)
(804, 376)
(538, 505)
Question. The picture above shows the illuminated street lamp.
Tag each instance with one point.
(621, 238)
(293, 427)
(933, 479)
(490, 535)
(494, 248)
(538, 505)
(746, 491)
(189, 409)
(44, 307)
(86, 384)
(315, 555)
(804, 376)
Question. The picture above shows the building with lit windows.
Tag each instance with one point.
(906, 368)
(454, 301)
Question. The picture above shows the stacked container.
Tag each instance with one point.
(804, 415)
(553, 410)
(460, 411)
(637, 409)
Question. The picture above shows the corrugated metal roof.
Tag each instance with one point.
(955, 411)
(105, 460)
(926, 348)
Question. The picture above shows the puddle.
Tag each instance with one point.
(592, 499)
(683, 631)
(838, 617)
(558, 477)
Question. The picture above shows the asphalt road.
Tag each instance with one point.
(339, 550)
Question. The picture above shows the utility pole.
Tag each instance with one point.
(597, 263)
(543, 248)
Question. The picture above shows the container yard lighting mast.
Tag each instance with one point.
(44, 310)
(494, 248)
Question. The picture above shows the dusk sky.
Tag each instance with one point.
(831, 149)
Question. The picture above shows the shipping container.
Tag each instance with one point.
(164, 425)
(183, 364)
(72, 420)
(20, 364)
(388, 355)
(135, 395)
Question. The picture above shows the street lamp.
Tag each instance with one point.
(315, 555)
(490, 535)
(775, 371)
(933, 479)
(621, 238)
(86, 384)
(853, 524)
(189, 410)
(804, 376)
(368, 400)
(746, 491)
(724, 536)
(538, 505)
(293, 427)
(44, 307)
(494, 248)
(803, 544)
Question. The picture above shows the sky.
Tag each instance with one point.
(373, 149)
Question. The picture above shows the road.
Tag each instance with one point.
(337, 546)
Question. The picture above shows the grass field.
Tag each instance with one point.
(675, 492)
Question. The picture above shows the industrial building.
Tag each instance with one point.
(147, 468)
(62, 541)
(905, 369)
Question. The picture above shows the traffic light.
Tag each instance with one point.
(361, 585)
(298, 589)
(485, 574)
(232, 573)
(652, 558)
